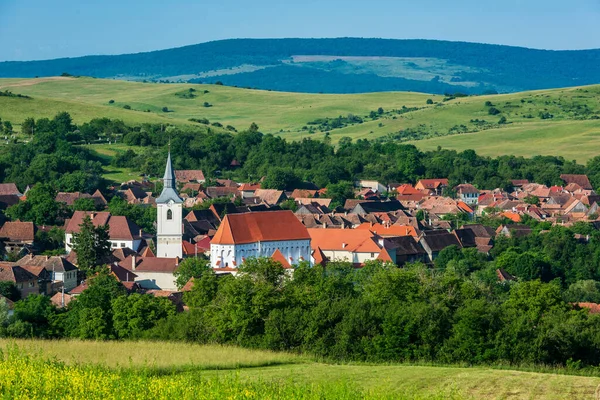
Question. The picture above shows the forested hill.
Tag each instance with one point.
(343, 65)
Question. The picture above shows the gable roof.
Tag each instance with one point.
(581, 180)
(389, 230)
(14, 273)
(189, 175)
(351, 240)
(378, 206)
(18, 231)
(280, 258)
(150, 264)
(119, 227)
(49, 263)
(384, 255)
(260, 227)
(270, 196)
(61, 300)
(440, 240)
(9, 188)
(405, 245)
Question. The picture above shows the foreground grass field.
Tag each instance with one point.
(158, 370)
(551, 122)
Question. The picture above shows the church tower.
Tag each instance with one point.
(169, 207)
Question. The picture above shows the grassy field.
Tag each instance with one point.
(568, 127)
(208, 368)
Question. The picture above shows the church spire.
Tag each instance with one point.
(169, 178)
(169, 191)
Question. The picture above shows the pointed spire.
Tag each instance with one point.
(169, 178)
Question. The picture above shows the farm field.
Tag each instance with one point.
(116, 369)
(563, 122)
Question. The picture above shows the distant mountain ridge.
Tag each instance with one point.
(342, 65)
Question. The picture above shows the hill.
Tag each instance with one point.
(553, 122)
(214, 370)
(342, 65)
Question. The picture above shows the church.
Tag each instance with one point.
(169, 208)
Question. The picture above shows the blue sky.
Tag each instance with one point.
(44, 29)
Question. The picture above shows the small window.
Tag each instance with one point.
(114, 244)
(169, 214)
(122, 244)
(31, 284)
(372, 255)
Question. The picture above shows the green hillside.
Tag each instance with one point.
(558, 122)
(171, 363)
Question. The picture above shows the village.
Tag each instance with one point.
(394, 223)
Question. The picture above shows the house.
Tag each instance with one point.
(122, 232)
(189, 175)
(270, 196)
(59, 269)
(8, 200)
(44, 279)
(152, 272)
(61, 299)
(259, 234)
(513, 230)
(387, 230)
(432, 185)
(435, 241)
(215, 192)
(467, 193)
(9, 304)
(69, 198)
(407, 248)
(581, 180)
(311, 200)
(312, 209)
(375, 186)
(303, 193)
(9, 189)
(247, 189)
(377, 206)
(17, 235)
(134, 194)
(25, 281)
(352, 245)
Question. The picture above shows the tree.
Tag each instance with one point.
(37, 311)
(531, 199)
(165, 109)
(84, 204)
(3, 313)
(8, 128)
(91, 244)
(9, 290)
(253, 127)
(493, 111)
(429, 101)
(340, 192)
(502, 120)
(40, 207)
(28, 126)
(136, 313)
(190, 268)
(380, 110)
(280, 178)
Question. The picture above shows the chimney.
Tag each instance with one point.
(140, 232)
(133, 263)
(344, 245)
(177, 261)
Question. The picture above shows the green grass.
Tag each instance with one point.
(174, 364)
(570, 133)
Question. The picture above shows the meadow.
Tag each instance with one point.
(563, 122)
(109, 370)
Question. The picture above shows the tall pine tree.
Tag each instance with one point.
(91, 244)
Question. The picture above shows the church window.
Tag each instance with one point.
(169, 214)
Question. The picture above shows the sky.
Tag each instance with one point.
(46, 29)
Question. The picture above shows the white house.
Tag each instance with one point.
(352, 245)
(60, 269)
(373, 185)
(259, 234)
(121, 231)
(467, 193)
(152, 272)
(169, 218)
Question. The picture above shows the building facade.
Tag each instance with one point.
(169, 208)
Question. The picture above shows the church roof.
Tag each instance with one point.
(169, 191)
(260, 227)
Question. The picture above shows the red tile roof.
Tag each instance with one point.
(151, 264)
(188, 175)
(14, 273)
(9, 188)
(391, 230)
(61, 300)
(581, 180)
(119, 227)
(280, 258)
(593, 307)
(18, 231)
(189, 285)
(260, 227)
(351, 240)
